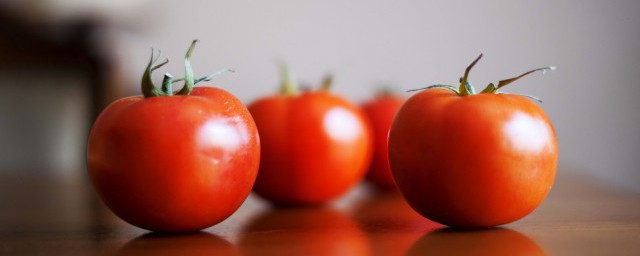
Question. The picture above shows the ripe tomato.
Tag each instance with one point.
(380, 112)
(315, 146)
(174, 163)
(473, 160)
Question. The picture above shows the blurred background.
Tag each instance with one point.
(62, 61)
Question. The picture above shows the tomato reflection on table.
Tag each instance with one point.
(390, 223)
(494, 241)
(200, 243)
(303, 231)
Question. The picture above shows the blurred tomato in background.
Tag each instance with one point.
(315, 145)
(381, 110)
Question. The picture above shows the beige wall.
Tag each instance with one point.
(591, 98)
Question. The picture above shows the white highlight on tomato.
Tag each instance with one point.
(527, 133)
(342, 125)
(222, 135)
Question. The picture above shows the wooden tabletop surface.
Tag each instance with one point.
(55, 216)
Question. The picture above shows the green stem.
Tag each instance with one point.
(491, 88)
(148, 88)
(464, 90)
(188, 71)
(327, 82)
(385, 91)
(209, 76)
(502, 83)
(166, 84)
(289, 86)
(443, 86)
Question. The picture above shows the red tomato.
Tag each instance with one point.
(473, 160)
(380, 112)
(174, 163)
(315, 146)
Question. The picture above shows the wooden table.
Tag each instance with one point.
(54, 216)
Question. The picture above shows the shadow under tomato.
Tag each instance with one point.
(388, 211)
(200, 243)
(303, 231)
(390, 223)
(494, 241)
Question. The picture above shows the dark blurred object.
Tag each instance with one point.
(57, 76)
(26, 44)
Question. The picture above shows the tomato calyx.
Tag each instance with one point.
(150, 90)
(384, 92)
(291, 87)
(466, 88)
(327, 82)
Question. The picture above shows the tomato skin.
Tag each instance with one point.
(315, 147)
(381, 112)
(177, 163)
(475, 161)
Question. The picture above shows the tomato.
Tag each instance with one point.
(174, 163)
(381, 112)
(315, 146)
(473, 160)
